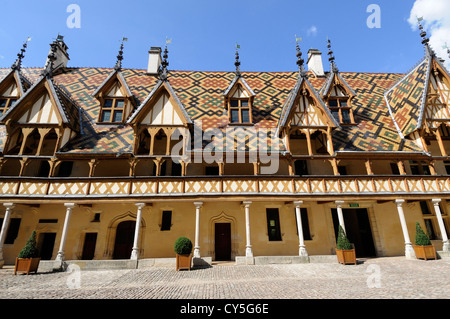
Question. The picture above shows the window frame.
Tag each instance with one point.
(277, 237)
(9, 100)
(113, 109)
(340, 108)
(430, 219)
(166, 220)
(240, 108)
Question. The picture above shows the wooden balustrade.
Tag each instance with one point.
(222, 185)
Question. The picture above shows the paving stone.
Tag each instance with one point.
(380, 278)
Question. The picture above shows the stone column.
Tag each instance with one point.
(137, 231)
(409, 250)
(302, 249)
(437, 209)
(248, 246)
(339, 204)
(9, 207)
(198, 205)
(69, 207)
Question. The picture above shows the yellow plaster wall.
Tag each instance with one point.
(154, 243)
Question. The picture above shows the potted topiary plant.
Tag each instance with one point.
(423, 247)
(183, 249)
(28, 259)
(345, 251)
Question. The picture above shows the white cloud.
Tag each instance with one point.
(312, 31)
(436, 21)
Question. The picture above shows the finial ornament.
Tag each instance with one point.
(18, 63)
(331, 57)
(425, 39)
(300, 61)
(165, 63)
(118, 65)
(237, 63)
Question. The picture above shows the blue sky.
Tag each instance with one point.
(204, 33)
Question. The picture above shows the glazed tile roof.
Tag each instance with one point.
(201, 94)
(407, 98)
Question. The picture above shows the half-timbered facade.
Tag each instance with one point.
(114, 163)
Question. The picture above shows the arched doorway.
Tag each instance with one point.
(222, 229)
(124, 239)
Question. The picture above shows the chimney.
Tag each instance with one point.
(61, 55)
(315, 62)
(154, 60)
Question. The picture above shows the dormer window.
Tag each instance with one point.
(239, 110)
(6, 103)
(341, 110)
(8, 97)
(238, 102)
(112, 110)
(115, 98)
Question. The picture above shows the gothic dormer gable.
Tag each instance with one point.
(115, 98)
(338, 96)
(44, 103)
(11, 89)
(161, 108)
(305, 108)
(238, 101)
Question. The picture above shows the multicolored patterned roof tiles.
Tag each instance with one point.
(201, 94)
(406, 99)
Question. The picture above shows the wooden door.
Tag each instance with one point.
(223, 241)
(124, 240)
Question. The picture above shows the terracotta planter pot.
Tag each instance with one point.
(425, 252)
(26, 265)
(184, 262)
(346, 256)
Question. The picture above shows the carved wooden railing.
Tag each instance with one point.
(222, 185)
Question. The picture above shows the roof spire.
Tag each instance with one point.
(237, 63)
(118, 65)
(48, 70)
(425, 39)
(17, 65)
(300, 61)
(165, 63)
(331, 57)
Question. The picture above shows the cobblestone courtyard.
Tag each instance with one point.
(385, 278)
